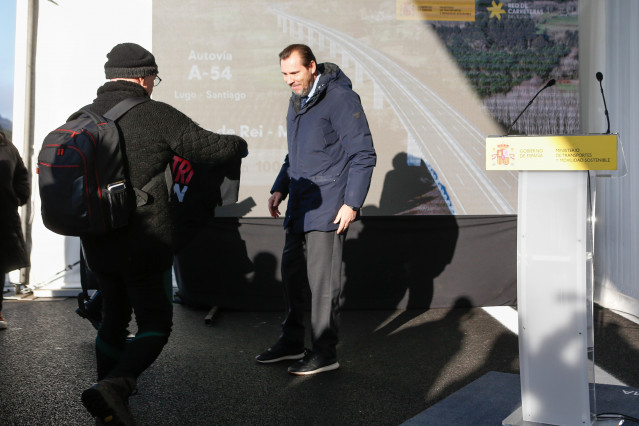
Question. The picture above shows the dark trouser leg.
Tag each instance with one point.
(296, 287)
(149, 297)
(324, 265)
(109, 345)
(4, 277)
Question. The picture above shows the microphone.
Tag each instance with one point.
(600, 79)
(550, 83)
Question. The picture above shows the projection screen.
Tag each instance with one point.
(435, 78)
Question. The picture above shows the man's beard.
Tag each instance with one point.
(306, 88)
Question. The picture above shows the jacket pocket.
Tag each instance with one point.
(321, 180)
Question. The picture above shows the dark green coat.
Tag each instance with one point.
(14, 184)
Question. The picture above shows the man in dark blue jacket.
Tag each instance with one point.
(326, 173)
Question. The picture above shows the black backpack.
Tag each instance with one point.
(83, 174)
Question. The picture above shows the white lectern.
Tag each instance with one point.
(554, 270)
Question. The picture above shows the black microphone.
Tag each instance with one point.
(550, 83)
(600, 79)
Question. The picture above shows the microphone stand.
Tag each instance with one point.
(550, 83)
(604, 101)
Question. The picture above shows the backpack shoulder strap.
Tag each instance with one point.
(123, 106)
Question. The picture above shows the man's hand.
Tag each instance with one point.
(345, 216)
(274, 203)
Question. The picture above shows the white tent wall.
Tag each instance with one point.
(608, 43)
(71, 40)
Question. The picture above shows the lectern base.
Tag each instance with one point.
(491, 398)
(516, 419)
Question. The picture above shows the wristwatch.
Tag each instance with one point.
(355, 209)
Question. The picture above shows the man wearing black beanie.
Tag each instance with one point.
(133, 264)
(130, 60)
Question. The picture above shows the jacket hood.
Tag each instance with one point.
(331, 73)
(330, 76)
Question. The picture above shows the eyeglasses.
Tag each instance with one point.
(157, 80)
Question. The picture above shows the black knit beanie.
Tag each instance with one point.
(129, 60)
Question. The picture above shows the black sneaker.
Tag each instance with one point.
(313, 363)
(280, 352)
(108, 401)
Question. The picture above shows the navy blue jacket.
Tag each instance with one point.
(330, 154)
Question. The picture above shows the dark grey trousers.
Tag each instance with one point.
(313, 260)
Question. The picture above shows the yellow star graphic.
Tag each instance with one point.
(496, 10)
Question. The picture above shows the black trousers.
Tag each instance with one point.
(149, 297)
(313, 259)
(4, 277)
